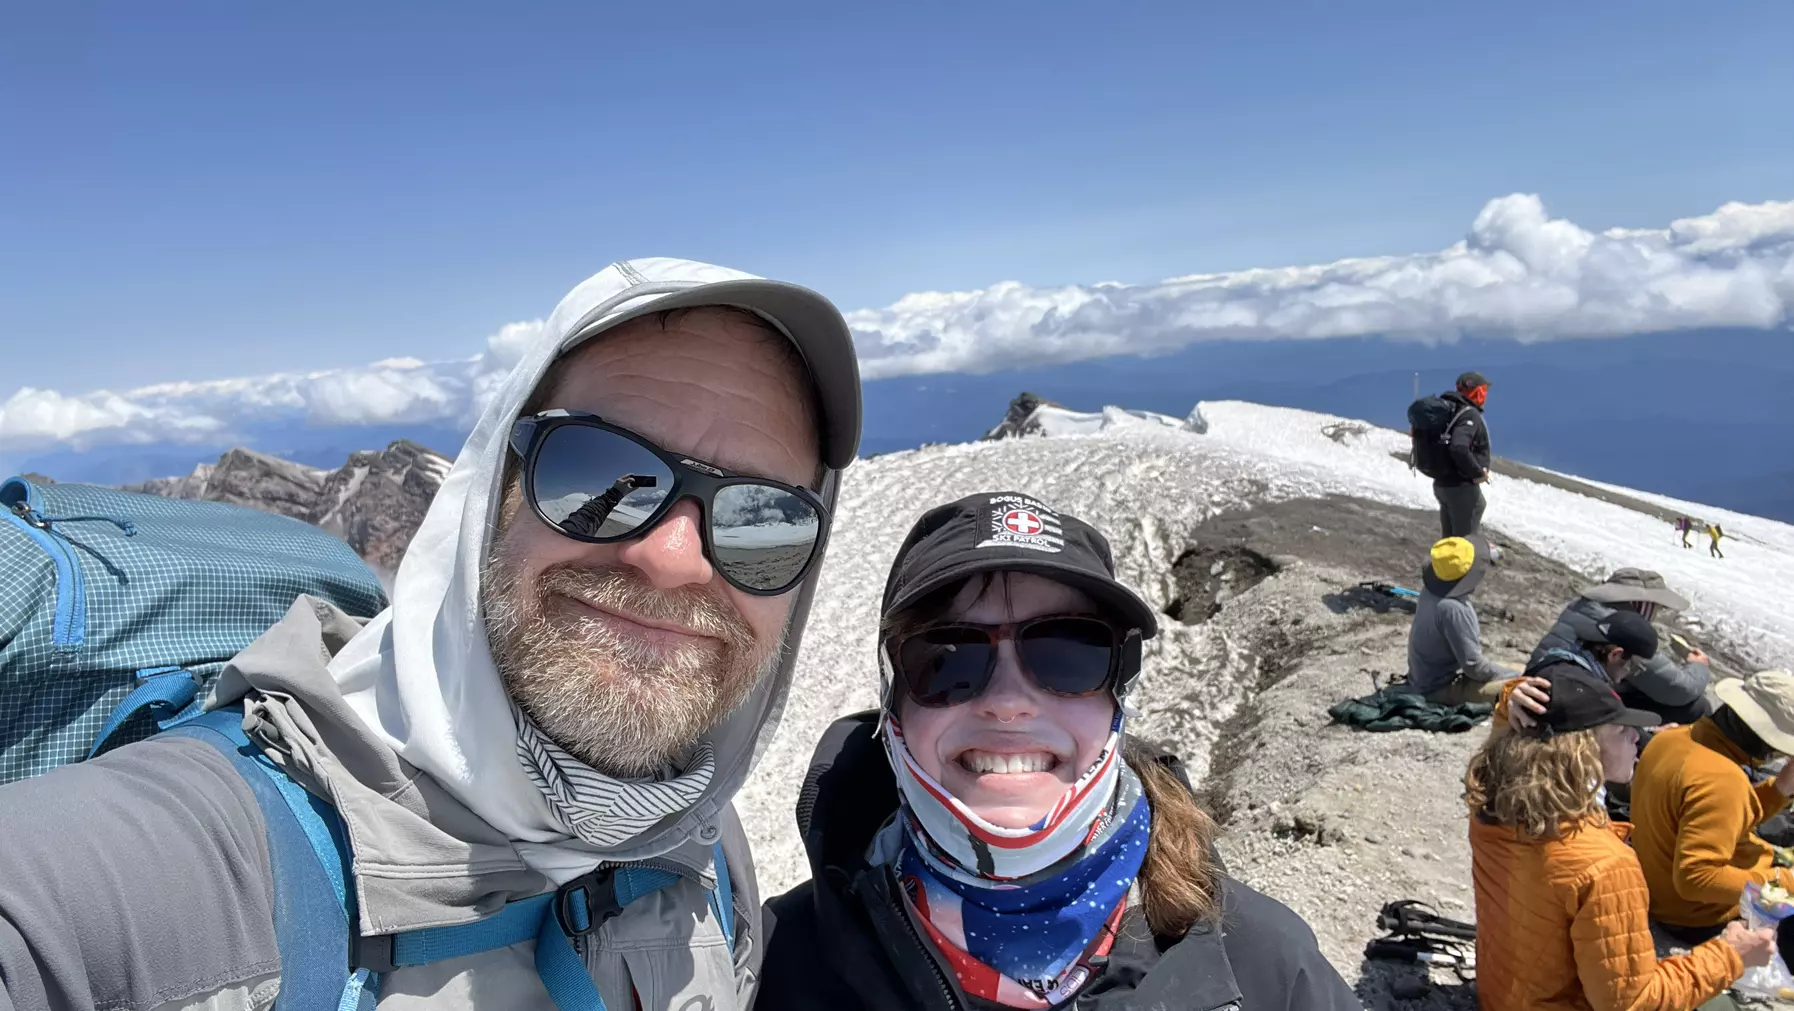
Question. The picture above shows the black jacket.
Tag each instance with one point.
(1469, 447)
(844, 940)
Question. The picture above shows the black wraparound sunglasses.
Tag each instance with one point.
(1070, 655)
(598, 483)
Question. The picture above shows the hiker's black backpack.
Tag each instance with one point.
(1430, 421)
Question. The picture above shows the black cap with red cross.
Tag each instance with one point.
(1011, 532)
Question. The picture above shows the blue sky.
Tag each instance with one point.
(196, 191)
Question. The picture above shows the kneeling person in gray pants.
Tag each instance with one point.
(1445, 653)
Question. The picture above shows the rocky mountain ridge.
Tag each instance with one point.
(374, 501)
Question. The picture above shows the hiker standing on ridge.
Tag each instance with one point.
(1714, 532)
(991, 836)
(1445, 653)
(543, 697)
(1451, 446)
(1561, 908)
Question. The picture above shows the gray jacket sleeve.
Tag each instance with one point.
(136, 880)
(1664, 680)
(1463, 634)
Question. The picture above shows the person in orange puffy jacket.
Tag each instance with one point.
(1562, 908)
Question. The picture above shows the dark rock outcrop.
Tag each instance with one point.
(374, 502)
(1018, 420)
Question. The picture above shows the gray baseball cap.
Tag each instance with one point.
(629, 289)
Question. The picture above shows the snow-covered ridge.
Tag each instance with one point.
(1052, 419)
(1146, 483)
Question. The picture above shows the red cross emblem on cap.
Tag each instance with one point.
(1022, 521)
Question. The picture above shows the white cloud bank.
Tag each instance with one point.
(1519, 274)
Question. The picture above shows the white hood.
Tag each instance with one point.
(420, 674)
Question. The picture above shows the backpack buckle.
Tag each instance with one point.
(582, 905)
(373, 952)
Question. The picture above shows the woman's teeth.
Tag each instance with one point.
(986, 762)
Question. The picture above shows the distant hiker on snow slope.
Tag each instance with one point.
(1445, 653)
(1714, 532)
(1451, 446)
(991, 837)
(1561, 907)
(536, 702)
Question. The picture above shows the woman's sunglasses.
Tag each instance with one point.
(1067, 655)
(598, 483)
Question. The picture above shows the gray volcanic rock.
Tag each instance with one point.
(247, 478)
(376, 500)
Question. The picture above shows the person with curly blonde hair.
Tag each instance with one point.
(1562, 907)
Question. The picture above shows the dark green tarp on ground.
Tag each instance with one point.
(1397, 708)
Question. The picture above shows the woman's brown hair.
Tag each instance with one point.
(1539, 786)
(1178, 882)
(1179, 886)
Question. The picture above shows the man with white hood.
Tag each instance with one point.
(591, 634)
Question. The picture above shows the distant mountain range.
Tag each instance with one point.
(1697, 415)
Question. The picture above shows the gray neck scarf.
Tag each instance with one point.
(602, 810)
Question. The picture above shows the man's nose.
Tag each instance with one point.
(671, 554)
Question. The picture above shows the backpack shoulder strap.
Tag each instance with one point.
(309, 854)
(1558, 654)
(324, 960)
(722, 897)
(167, 693)
(1445, 433)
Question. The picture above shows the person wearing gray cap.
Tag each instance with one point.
(512, 789)
(1675, 690)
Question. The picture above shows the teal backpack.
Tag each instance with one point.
(118, 610)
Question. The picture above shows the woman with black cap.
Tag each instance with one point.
(1562, 909)
(991, 837)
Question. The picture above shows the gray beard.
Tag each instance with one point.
(624, 707)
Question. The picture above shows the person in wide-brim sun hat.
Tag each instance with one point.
(1445, 653)
(1695, 811)
(1456, 565)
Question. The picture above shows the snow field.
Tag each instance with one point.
(1145, 483)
